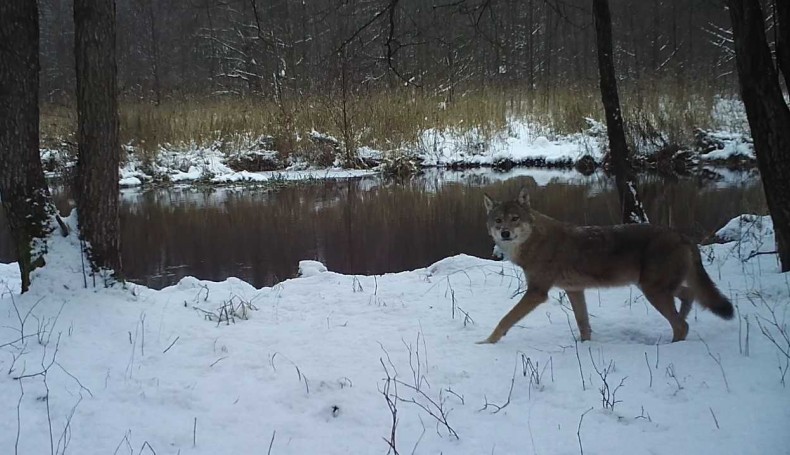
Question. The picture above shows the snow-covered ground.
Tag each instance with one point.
(520, 142)
(209, 165)
(335, 364)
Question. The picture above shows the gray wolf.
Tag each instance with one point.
(662, 262)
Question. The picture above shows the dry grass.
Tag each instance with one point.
(389, 120)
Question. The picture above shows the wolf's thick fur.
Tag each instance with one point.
(663, 262)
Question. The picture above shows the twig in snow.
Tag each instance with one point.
(777, 333)
(579, 431)
(416, 443)
(715, 420)
(49, 415)
(717, 359)
(124, 439)
(19, 417)
(11, 343)
(217, 361)
(497, 407)
(576, 347)
(435, 409)
(171, 345)
(643, 416)
(455, 394)
(657, 352)
(146, 444)
(142, 345)
(75, 379)
(671, 373)
(65, 436)
(271, 443)
(22, 320)
(608, 395)
(416, 371)
(649, 370)
(392, 405)
(45, 368)
(299, 374)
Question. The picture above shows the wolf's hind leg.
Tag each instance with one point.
(686, 296)
(530, 300)
(579, 306)
(664, 302)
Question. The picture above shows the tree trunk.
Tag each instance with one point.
(783, 38)
(632, 210)
(23, 190)
(154, 49)
(96, 186)
(769, 116)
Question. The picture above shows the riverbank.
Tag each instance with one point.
(520, 144)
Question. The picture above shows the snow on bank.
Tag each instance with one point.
(209, 165)
(306, 371)
(728, 145)
(519, 143)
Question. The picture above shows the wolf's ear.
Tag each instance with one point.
(523, 197)
(489, 203)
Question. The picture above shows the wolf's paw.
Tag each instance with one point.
(490, 340)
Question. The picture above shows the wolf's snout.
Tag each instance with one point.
(505, 234)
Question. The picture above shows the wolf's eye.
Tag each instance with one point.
(514, 219)
(498, 220)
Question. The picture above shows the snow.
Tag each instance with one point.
(9, 278)
(520, 141)
(311, 268)
(735, 145)
(730, 128)
(302, 365)
(208, 166)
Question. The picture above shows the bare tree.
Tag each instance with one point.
(768, 114)
(632, 210)
(218, 45)
(23, 190)
(96, 187)
(782, 18)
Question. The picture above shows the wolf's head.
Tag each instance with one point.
(509, 222)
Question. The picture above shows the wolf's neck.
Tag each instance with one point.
(509, 249)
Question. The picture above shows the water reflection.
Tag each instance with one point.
(368, 226)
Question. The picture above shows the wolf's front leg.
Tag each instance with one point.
(531, 299)
(579, 306)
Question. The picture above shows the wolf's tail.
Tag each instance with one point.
(705, 291)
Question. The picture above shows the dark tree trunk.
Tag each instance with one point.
(769, 116)
(154, 53)
(23, 189)
(96, 184)
(632, 210)
(783, 39)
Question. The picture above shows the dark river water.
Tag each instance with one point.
(370, 226)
